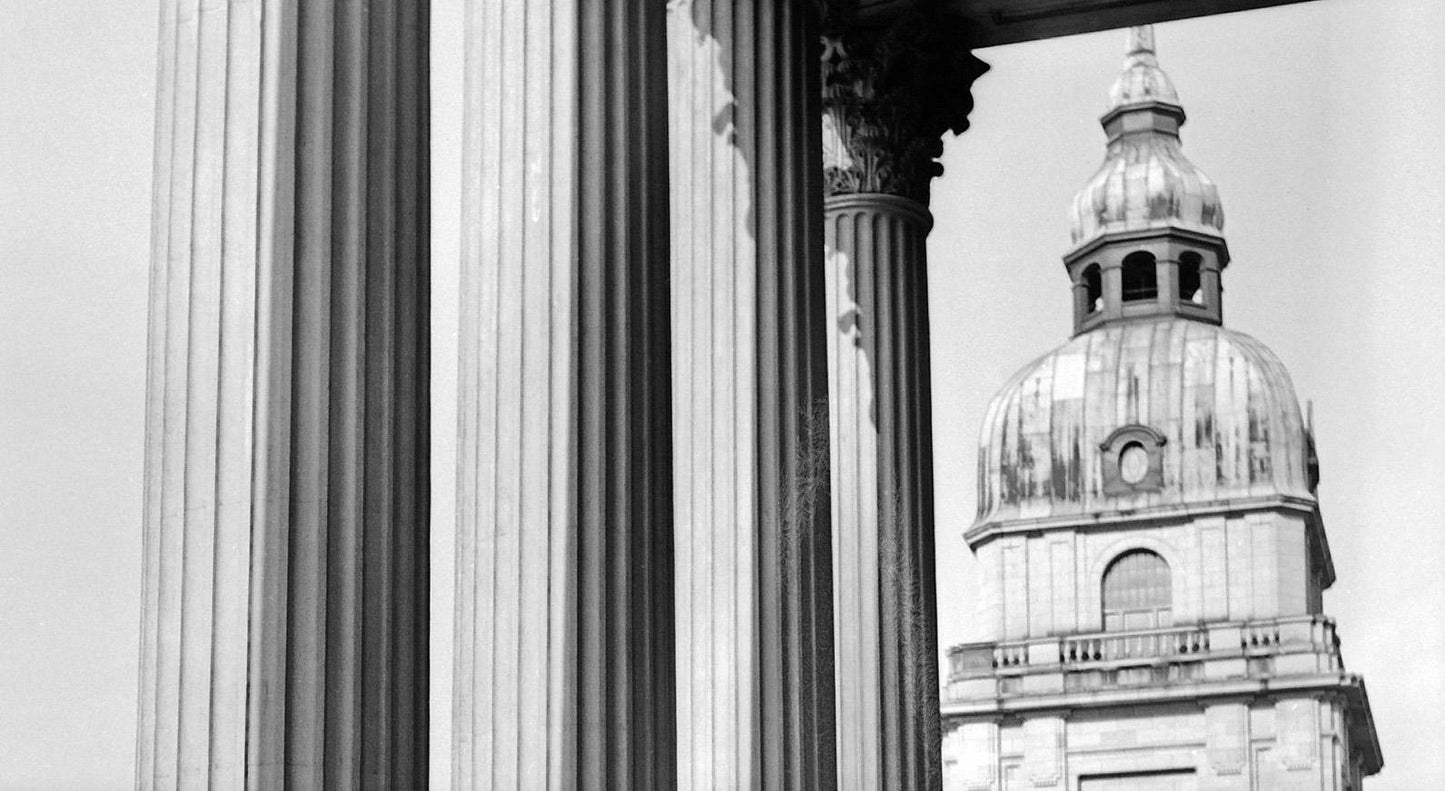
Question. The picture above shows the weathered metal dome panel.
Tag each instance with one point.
(1222, 401)
(1145, 182)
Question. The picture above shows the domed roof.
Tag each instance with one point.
(1220, 401)
(1145, 181)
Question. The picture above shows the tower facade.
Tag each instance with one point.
(1150, 542)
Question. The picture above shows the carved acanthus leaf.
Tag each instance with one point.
(889, 94)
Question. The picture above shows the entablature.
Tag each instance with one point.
(996, 22)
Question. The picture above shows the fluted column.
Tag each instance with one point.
(284, 633)
(564, 663)
(889, 94)
(754, 592)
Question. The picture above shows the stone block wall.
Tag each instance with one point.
(1296, 743)
(1223, 568)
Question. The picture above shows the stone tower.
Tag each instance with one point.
(1151, 547)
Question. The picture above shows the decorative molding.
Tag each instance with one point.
(1227, 737)
(1119, 436)
(976, 757)
(1044, 750)
(1297, 733)
(889, 94)
(1152, 441)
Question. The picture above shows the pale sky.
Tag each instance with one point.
(1320, 122)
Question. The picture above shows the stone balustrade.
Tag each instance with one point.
(1304, 644)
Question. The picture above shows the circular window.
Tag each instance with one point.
(1133, 463)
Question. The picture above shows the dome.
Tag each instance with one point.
(1220, 403)
(1145, 182)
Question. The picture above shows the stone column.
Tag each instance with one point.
(284, 632)
(889, 93)
(754, 590)
(564, 648)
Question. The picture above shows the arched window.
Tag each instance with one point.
(1137, 592)
(1093, 288)
(1140, 279)
(1189, 285)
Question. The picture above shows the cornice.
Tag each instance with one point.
(983, 532)
(1199, 692)
(1136, 235)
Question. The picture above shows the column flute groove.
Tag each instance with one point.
(564, 620)
(754, 573)
(287, 303)
(889, 93)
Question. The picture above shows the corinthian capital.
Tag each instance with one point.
(889, 94)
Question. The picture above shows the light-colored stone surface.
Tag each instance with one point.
(854, 448)
(714, 280)
(286, 501)
(1298, 742)
(753, 546)
(1254, 566)
(564, 663)
(881, 479)
(971, 753)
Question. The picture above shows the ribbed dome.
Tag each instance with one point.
(1222, 401)
(1145, 182)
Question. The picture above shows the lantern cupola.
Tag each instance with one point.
(1147, 229)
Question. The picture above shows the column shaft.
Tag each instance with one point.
(886, 619)
(754, 587)
(286, 589)
(890, 92)
(564, 662)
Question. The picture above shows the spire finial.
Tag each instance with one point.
(1141, 39)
